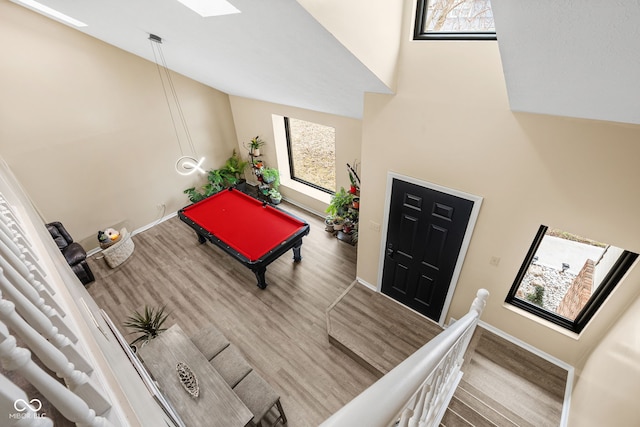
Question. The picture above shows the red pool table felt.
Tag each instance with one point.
(243, 222)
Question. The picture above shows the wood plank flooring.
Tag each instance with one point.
(281, 330)
(520, 386)
(376, 330)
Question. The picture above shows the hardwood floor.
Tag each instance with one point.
(281, 330)
(502, 382)
(375, 330)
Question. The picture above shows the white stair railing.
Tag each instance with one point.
(7, 237)
(9, 257)
(70, 405)
(29, 309)
(18, 409)
(40, 321)
(52, 357)
(418, 390)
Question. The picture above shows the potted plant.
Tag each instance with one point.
(275, 196)
(148, 324)
(340, 203)
(354, 179)
(271, 176)
(356, 203)
(233, 169)
(328, 223)
(338, 223)
(254, 146)
(204, 192)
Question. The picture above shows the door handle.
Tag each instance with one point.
(390, 251)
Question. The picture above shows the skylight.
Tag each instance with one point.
(39, 7)
(206, 8)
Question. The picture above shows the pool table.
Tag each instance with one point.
(253, 232)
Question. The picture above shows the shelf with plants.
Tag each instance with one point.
(268, 178)
(343, 211)
(343, 216)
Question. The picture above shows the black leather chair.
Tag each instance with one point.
(74, 253)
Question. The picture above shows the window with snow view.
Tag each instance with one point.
(565, 277)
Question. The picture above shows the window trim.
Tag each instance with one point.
(419, 34)
(610, 281)
(291, 166)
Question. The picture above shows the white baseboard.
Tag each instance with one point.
(137, 230)
(367, 284)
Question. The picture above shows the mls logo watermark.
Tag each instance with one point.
(26, 409)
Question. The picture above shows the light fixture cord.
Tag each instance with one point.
(175, 97)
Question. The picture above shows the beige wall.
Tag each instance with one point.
(450, 124)
(253, 118)
(372, 34)
(606, 394)
(87, 131)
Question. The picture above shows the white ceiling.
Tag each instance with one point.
(576, 58)
(273, 50)
(568, 58)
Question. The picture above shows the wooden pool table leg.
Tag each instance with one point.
(297, 255)
(262, 283)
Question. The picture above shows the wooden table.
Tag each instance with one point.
(217, 404)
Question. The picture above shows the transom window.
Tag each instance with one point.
(565, 278)
(312, 153)
(454, 20)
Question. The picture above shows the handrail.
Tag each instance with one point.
(420, 386)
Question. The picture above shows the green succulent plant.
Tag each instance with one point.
(148, 323)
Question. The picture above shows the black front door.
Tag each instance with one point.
(424, 236)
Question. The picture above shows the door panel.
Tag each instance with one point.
(434, 246)
(400, 279)
(424, 235)
(407, 233)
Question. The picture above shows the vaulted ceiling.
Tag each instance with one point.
(570, 58)
(272, 50)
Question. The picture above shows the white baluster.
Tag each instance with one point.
(48, 354)
(13, 222)
(21, 282)
(19, 410)
(52, 358)
(17, 234)
(419, 406)
(405, 417)
(9, 256)
(71, 406)
(18, 250)
(40, 322)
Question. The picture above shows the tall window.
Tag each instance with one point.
(454, 20)
(312, 153)
(565, 278)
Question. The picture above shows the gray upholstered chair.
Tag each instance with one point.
(210, 341)
(260, 398)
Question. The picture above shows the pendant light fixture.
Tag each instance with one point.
(186, 164)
